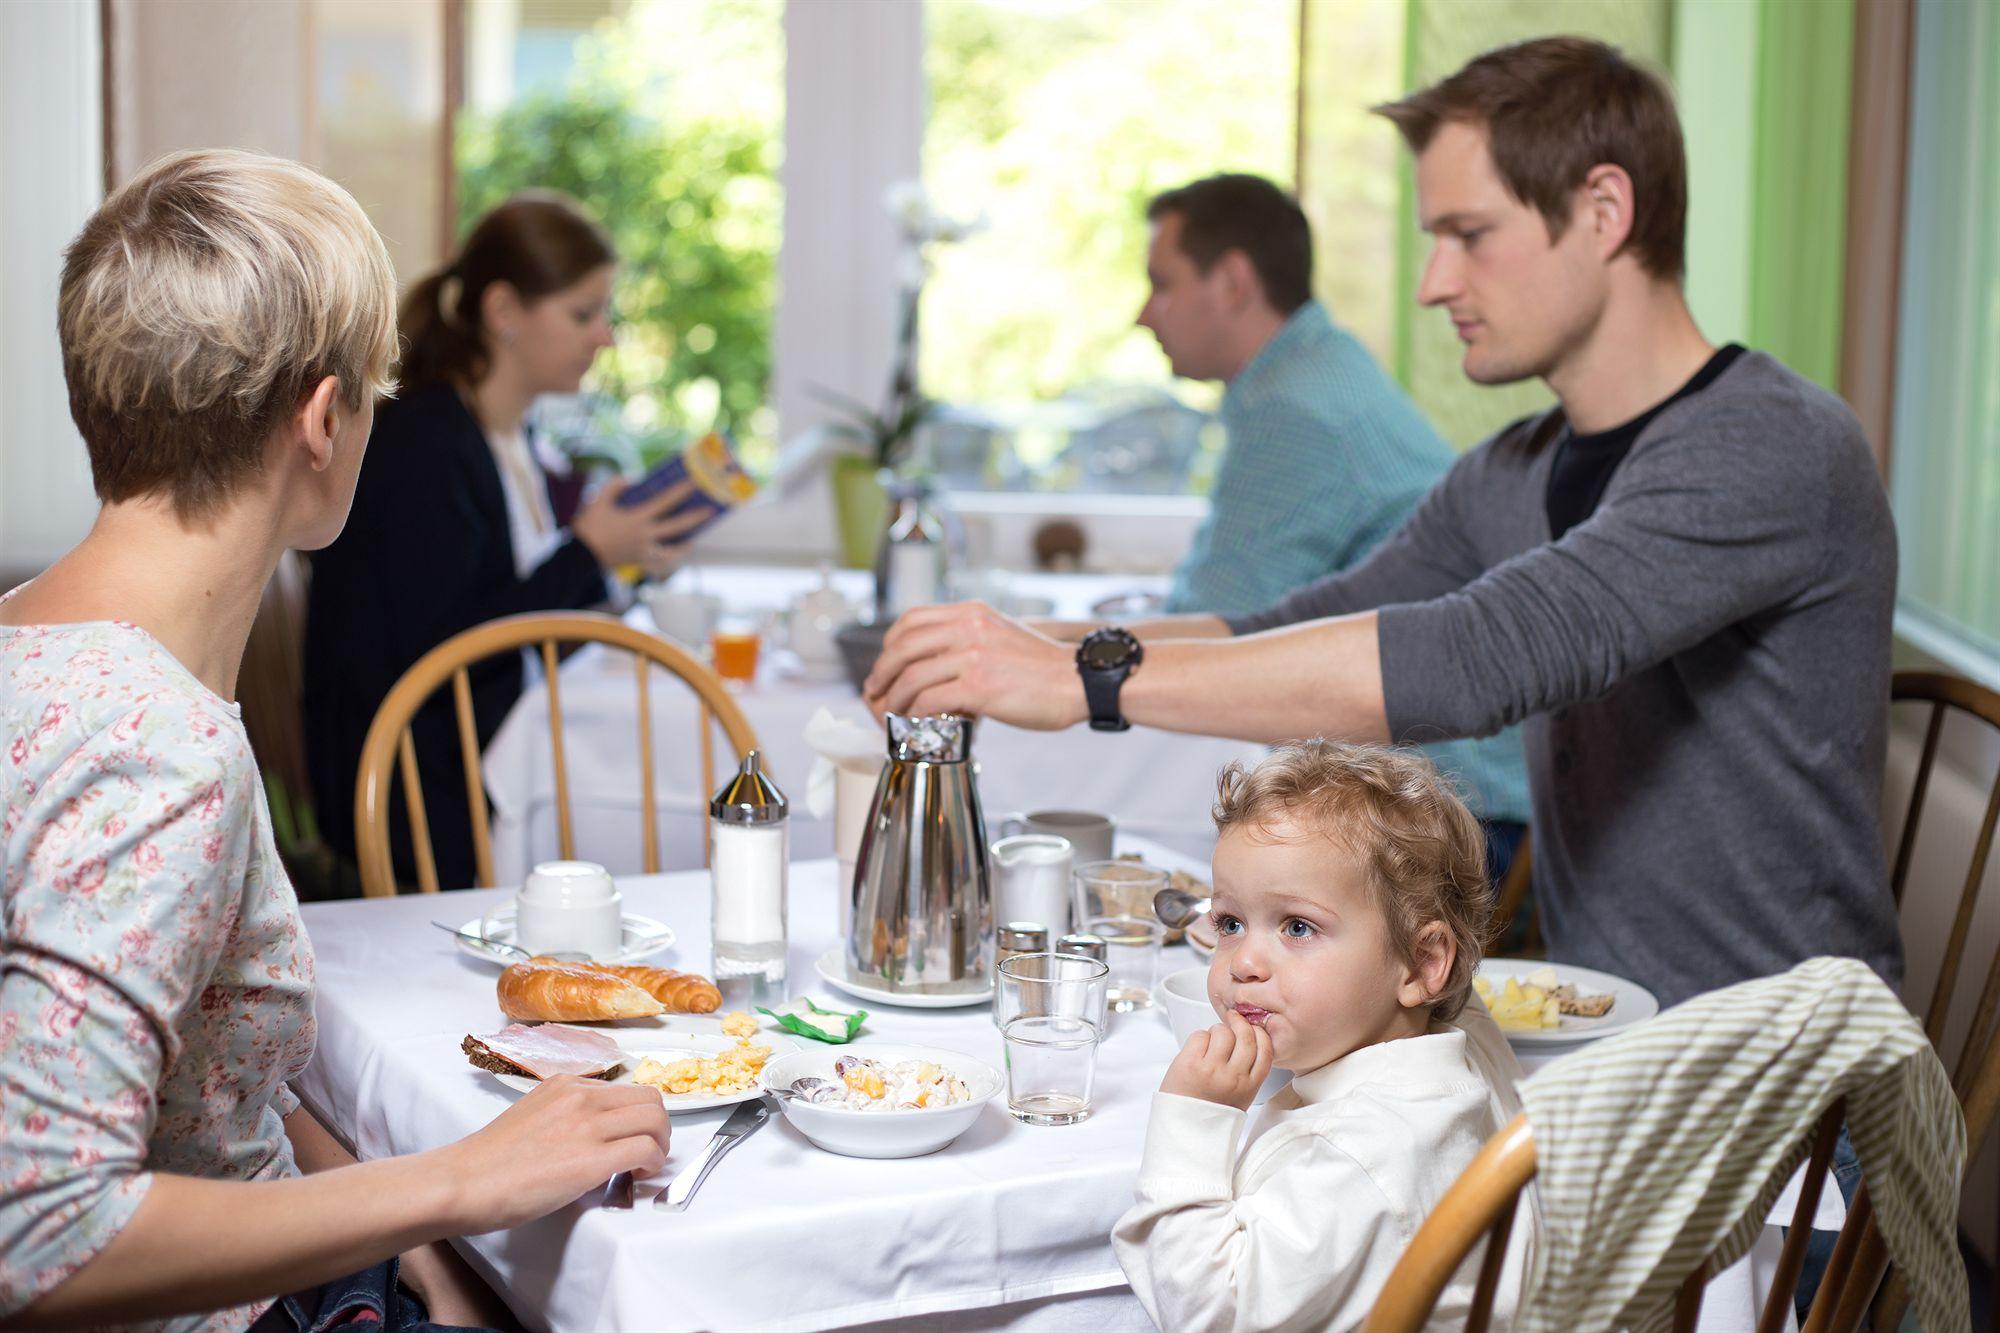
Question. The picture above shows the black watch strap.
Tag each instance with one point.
(1100, 694)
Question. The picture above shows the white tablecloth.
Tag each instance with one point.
(1157, 784)
(1007, 1228)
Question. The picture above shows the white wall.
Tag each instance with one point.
(51, 177)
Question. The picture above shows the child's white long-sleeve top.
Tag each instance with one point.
(1340, 1168)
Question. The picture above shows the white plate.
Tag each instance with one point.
(643, 938)
(684, 1036)
(832, 969)
(1632, 1003)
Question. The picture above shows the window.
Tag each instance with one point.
(1946, 463)
(667, 121)
(1058, 120)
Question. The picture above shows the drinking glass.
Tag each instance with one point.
(1114, 899)
(1050, 1006)
(734, 648)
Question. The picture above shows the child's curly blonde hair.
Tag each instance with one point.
(1424, 851)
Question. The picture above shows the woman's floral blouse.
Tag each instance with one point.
(155, 981)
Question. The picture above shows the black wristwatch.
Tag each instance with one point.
(1104, 658)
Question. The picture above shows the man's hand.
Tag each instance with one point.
(968, 658)
(1225, 1064)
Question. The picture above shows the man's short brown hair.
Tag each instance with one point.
(201, 304)
(1556, 107)
(1424, 852)
(1248, 213)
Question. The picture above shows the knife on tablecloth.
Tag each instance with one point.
(746, 1120)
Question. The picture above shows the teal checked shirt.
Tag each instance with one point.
(1326, 457)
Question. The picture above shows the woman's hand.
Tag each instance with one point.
(637, 534)
(1225, 1064)
(566, 1137)
(453, 1295)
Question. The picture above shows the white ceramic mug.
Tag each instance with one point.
(684, 617)
(567, 907)
(1089, 835)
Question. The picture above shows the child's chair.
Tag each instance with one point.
(1655, 1157)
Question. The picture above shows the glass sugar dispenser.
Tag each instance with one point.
(748, 867)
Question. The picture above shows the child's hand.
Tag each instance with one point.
(1225, 1064)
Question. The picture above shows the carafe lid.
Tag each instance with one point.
(749, 797)
(943, 739)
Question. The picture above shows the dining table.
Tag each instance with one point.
(1159, 784)
(1007, 1227)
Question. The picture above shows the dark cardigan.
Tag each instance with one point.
(426, 553)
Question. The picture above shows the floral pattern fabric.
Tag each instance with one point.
(156, 982)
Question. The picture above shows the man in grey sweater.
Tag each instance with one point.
(1680, 580)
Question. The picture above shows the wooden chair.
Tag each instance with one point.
(388, 742)
(1976, 1071)
(1482, 1203)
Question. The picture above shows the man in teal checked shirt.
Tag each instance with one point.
(1326, 454)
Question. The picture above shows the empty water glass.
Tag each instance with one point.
(1050, 1008)
(1114, 899)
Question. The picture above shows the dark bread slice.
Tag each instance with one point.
(482, 1057)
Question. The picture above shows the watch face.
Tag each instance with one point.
(1105, 651)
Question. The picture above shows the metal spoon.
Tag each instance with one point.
(1177, 907)
(491, 943)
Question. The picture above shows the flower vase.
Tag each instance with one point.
(861, 508)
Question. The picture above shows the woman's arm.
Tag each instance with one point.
(452, 1293)
(196, 1245)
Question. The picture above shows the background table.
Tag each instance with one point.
(1159, 784)
(1009, 1227)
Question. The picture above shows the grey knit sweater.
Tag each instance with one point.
(1702, 667)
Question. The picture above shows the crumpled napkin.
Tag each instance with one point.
(804, 1018)
(837, 743)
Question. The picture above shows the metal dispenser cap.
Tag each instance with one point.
(749, 797)
(1090, 946)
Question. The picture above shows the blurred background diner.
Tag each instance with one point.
(896, 256)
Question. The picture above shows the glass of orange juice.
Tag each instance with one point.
(733, 648)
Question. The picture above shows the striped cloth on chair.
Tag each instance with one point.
(1668, 1143)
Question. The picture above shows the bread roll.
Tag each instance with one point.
(681, 992)
(544, 991)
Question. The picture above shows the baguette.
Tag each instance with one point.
(544, 991)
(680, 992)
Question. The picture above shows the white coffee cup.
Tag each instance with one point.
(568, 907)
(684, 617)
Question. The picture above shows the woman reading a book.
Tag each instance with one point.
(453, 521)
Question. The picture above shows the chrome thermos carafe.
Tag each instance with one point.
(923, 905)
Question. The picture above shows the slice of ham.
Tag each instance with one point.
(550, 1049)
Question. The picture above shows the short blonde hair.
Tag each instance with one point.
(1424, 851)
(201, 303)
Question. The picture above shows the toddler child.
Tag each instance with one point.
(1351, 904)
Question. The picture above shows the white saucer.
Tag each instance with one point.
(643, 937)
(832, 969)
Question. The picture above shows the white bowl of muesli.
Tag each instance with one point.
(881, 1099)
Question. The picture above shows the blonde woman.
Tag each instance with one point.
(227, 321)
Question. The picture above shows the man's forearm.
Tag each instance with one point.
(1160, 627)
(1317, 679)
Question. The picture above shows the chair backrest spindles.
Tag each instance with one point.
(475, 790)
(701, 720)
(420, 826)
(565, 831)
(1491, 1264)
(1777, 1312)
(389, 752)
(1914, 814)
(649, 836)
